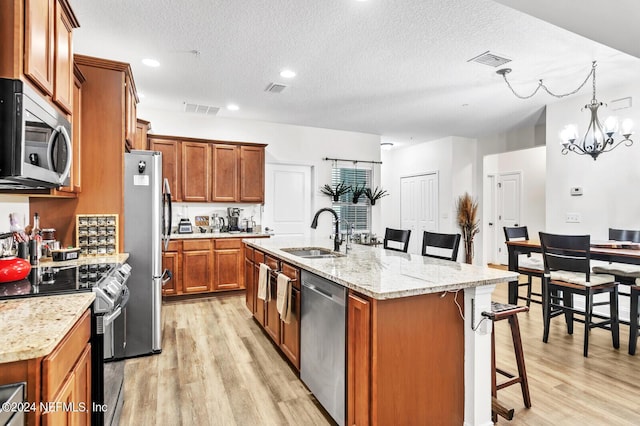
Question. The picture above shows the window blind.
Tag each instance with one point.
(358, 214)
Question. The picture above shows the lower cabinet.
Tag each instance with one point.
(60, 381)
(285, 336)
(205, 265)
(358, 360)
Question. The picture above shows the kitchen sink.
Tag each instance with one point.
(312, 252)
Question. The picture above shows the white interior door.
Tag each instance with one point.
(419, 207)
(287, 199)
(508, 208)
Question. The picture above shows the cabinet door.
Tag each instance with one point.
(170, 163)
(248, 280)
(259, 304)
(195, 171)
(358, 360)
(142, 128)
(57, 416)
(252, 174)
(63, 87)
(196, 271)
(228, 269)
(38, 42)
(224, 180)
(171, 261)
(290, 344)
(271, 316)
(82, 392)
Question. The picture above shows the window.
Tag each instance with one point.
(358, 214)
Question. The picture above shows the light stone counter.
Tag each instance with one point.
(87, 260)
(384, 274)
(197, 234)
(33, 326)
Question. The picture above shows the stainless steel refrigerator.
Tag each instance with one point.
(147, 224)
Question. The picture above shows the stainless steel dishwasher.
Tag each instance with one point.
(322, 342)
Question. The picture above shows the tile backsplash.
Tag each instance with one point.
(13, 204)
(191, 210)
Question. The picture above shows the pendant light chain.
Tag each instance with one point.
(505, 71)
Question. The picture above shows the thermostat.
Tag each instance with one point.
(576, 190)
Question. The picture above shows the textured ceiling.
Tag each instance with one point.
(394, 68)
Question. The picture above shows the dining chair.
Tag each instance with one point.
(440, 242)
(633, 317)
(567, 269)
(399, 236)
(530, 265)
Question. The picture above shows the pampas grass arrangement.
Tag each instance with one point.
(467, 209)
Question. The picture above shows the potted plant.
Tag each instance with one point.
(336, 192)
(357, 192)
(374, 195)
(467, 212)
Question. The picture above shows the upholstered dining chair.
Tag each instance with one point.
(529, 265)
(399, 236)
(441, 242)
(567, 269)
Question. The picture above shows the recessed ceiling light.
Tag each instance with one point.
(385, 145)
(287, 74)
(151, 62)
(233, 107)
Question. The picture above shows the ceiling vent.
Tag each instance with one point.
(490, 59)
(200, 109)
(275, 88)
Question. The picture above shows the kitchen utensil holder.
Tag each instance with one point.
(97, 234)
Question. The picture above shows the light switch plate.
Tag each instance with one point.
(573, 218)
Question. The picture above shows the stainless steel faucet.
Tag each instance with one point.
(349, 236)
(336, 239)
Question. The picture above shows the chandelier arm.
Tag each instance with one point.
(627, 142)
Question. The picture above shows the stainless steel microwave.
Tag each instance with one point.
(35, 139)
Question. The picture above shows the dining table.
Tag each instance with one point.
(608, 251)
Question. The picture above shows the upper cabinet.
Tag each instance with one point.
(142, 129)
(37, 43)
(252, 174)
(201, 170)
(131, 107)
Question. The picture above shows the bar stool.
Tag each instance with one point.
(500, 311)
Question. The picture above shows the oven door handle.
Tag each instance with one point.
(108, 319)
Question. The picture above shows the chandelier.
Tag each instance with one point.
(597, 139)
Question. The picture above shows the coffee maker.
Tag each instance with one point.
(233, 216)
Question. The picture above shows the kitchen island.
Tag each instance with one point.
(412, 354)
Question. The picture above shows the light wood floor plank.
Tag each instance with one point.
(218, 367)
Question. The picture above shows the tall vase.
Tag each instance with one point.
(468, 251)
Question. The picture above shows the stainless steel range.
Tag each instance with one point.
(109, 283)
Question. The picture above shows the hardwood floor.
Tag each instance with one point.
(218, 368)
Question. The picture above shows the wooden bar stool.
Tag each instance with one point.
(500, 311)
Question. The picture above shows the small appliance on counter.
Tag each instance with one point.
(184, 226)
(233, 215)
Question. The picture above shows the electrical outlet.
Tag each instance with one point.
(573, 218)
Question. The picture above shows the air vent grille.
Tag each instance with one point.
(490, 59)
(200, 109)
(275, 88)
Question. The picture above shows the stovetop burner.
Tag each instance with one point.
(50, 280)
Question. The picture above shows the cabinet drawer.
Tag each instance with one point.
(293, 273)
(258, 257)
(272, 262)
(174, 246)
(248, 253)
(227, 243)
(57, 365)
(188, 245)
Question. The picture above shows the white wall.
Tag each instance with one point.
(531, 163)
(13, 204)
(611, 184)
(287, 144)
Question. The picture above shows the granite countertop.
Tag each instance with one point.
(34, 326)
(87, 260)
(197, 234)
(384, 274)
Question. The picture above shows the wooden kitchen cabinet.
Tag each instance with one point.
(251, 178)
(130, 108)
(63, 62)
(224, 176)
(290, 333)
(142, 130)
(248, 279)
(171, 260)
(195, 171)
(358, 360)
(171, 163)
(197, 266)
(39, 40)
(228, 264)
(259, 311)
